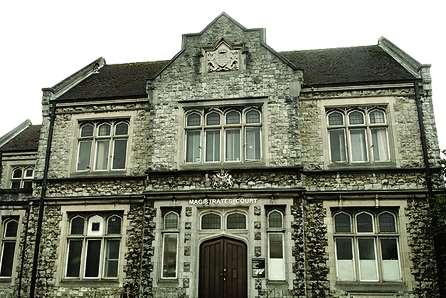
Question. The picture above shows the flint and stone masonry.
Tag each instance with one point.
(261, 226)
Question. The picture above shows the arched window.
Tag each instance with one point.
(343, 223)
(364, 222)
(193, 137)
(22, 177)
(236, 221)
(8, 245)
(336, 133)
(114, 225)
(210, 221)
(253, 135)
(77, 226)
(171, 220)
(275, 219)
(213, 137)
(386, 222)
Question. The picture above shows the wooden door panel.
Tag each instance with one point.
(223, 269)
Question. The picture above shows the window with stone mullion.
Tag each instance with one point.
(8, 239)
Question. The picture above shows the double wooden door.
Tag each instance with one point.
(223, 269)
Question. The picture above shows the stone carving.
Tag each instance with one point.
(187, 251)
(258, 251)
(187, 237)
(257, 210)
(186, 267)
(257, 225)
(222, 179)
(223, 59)
(188, 211)
(188, 225)
(257, 236)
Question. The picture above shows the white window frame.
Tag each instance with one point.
(223, 127)
(3, 239)
(95, 138)
(272, 269)
(24, 178)
(367, 126)
(170, 231)
(87, 236)
(377, 235)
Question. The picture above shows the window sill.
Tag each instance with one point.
(384, 287)
(90, 282)
(225, 165)
(169, 283)
(5, 281)
(383, 164)
(99, 174)
(276, 282)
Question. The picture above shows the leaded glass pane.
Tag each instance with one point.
(211, 221)
(114, 225)
(213, 119)
(343, 223)
(377, 117)
(253, 117)
(104, 130)
(356, 118)
(233, 118)
(386, 223)
(87, 130)
(335, 118)
(171, 221)
(77, 226)
(364, 223)
(17, 173)
(193, 119)
(275, 220)
(236, 221)
(121, 129)
(11, 228)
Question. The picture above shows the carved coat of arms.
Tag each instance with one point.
(222, 179)
(223, 59)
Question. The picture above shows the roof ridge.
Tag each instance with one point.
(334, 48)
(138, 62)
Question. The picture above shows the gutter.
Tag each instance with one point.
(52, 115)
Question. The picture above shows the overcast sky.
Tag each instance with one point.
(42, 42)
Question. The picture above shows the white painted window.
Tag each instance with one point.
(93, 246)
(102, 146)
(170, 234)
(8, 239)
(223, 135)
(358, 135)
(276, 250)
(366, 246)
(22, 177)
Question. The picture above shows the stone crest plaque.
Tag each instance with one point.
(223, 58)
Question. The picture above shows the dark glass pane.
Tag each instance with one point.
(211, 221)
(335, 118)
(193, 120)
(387, 223)
(119, 154)
(356, 118)
(275, 246)
(213, 119)
(112, 258)
(344, 249)
(252, 143)
(74, 258)
(87, 130)
(232, 118)
(366, 249)
(170, 256)
(212, 145)
(11, 228)
(93, 256)
(104, 130)
(236, 221)
(7, 258)
(364, 223)
(342, 223)
(84, 155)
(114, 225)
(27, 184)
(77, 226)
(275, 220)
(17, 173)
(171, 221)
(95, 226)
(337, 145)
(29, 173)
(389, 249)
(121, 129)
(15, 184)
(253, 117)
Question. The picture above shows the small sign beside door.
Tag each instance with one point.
(258, 267)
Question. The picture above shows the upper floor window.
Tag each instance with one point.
(93, 246)
(366, 246)
(22, 177)
(216, 136)
(8, 241)
(358, 135)
(102, 146)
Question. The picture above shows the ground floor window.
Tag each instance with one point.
(276, 258)
(8, 246)
(366, 246)
(169, 260)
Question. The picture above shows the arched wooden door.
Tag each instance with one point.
(223, 269)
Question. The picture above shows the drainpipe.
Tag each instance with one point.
(52, 115)
(428, 170)
(1, 168)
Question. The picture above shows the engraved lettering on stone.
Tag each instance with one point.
(223, 59)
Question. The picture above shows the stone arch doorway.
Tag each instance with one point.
(223, 269)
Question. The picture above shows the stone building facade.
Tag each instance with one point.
(231, 170)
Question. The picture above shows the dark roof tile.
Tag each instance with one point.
(27, 140)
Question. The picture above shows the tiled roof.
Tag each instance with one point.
(27, 140)
(341, 66)
(116, 80)
(337, 66)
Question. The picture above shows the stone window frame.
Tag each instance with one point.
(223, 127)
(223, 215)
(170, 231)
(6, 215)
(346, 126)
(24, 181)
(112, 137)
(86, 236)
(279, 230)
(5, 220)
(376, 234)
